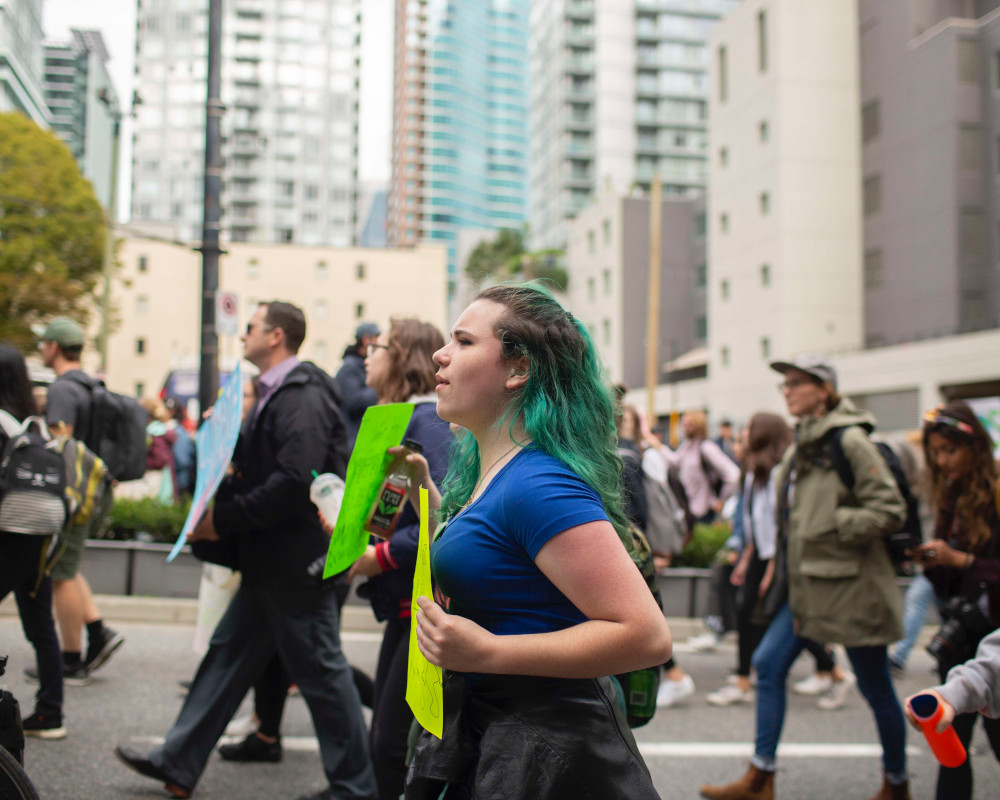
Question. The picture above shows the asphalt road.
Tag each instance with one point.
(135, 698)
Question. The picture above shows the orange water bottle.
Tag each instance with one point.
(946, 746)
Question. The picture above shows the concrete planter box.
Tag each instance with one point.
(140, 568)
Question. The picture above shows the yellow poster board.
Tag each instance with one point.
(423, 680)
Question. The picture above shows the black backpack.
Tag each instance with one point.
(117, 430)
(911, 534)
(32, 479)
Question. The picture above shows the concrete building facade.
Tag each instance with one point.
(609, 247)
(290, 72)
(21, 58)
(618, 95)
(930, 125)
(784, 208)
(460, 121)
(156, 299)
(83, 104)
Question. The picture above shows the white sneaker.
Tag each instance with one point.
(837, 693)
(703, 643)
(730, 695)
(243, 726)
(814, 684)
(671, 692)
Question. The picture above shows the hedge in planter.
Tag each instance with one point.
(162, 523)
(705, 543)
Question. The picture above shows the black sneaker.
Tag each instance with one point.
(253, 748)
(76, 675)
(100, 651)
(44, 726)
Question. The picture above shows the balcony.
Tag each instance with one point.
(580, 9)
(580, 65)
(580, 36)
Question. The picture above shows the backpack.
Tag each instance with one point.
(638, 688)
(911, 534)
(11, 732)
(117, 430)
(33, 497)
(668, 517)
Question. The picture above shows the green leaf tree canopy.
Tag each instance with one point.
(51, 231)
(505, 256)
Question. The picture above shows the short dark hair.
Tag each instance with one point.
(290, 319)
(72, 353)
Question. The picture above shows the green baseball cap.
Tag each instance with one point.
(64, 332)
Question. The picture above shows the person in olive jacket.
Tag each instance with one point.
(840, 581)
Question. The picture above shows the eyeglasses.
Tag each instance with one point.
(936, 416)
(373, 347)
(792, 383)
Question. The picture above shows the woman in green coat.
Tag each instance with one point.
(841, 584)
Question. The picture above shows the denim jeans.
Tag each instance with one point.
(918, 599)
(773, 660)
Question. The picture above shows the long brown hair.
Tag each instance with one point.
(969, 499)
(411, 367)
(768, 436)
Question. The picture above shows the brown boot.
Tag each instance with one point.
(755, 785)
(891, 791)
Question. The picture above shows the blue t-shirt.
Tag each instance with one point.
(484, 560)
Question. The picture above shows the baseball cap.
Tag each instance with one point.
(64, 332)
(367, 329)
(814, 366)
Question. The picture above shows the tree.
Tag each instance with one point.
(505, 256)
(51, 232)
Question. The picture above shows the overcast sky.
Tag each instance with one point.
(115, 19)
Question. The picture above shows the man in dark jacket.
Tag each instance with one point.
(264, 525)
(355, 394)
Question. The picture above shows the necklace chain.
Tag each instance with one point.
(485, 474)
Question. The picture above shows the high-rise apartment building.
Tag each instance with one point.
(83, 105)
(21, 59)
(784, 206)
(930, 127)
(290, 71)
(460, 120)
(618, 95)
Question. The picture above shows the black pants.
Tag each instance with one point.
(391, 717)
(749, 633)
(955, 783)
(20, 559)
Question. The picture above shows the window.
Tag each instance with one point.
(724, 289)
(320, 351)
(699, 225)
(970, 233)
(724, 223)
(140, 346)
(700, 327)
(723, 156)
(765, 203)
(286, 235)
(359, 310)
(606, 331)
(591, 242)
(141, 305)
(253, 268)
(724, 355)
(143, 265)
(762, 41)
(765, 275)
(360, 272)
(874, 278)
(871, 120)
(700, 277)
(723, 78)
(968, 61)
(591, 290)
(140, 389)
(871, 196)
(968, 147)
(606, 228)
(607, 282)
(321, 309)
(321, 270)
(765, 348)
(762, 130)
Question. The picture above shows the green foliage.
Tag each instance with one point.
(505, 258)
(51, 231)
(705, 544)
(162, 523)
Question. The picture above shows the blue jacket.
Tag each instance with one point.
(391, 592)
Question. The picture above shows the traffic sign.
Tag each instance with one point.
(227, 321)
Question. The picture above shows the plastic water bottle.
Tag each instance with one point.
(327, 493)
(946, 746)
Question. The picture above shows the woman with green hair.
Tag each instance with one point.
(538, 597)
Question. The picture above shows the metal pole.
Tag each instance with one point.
(208, 379)
(653, 301)
(109, 247)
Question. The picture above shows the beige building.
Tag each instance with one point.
(158, 308)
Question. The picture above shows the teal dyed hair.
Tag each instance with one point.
(565, 407)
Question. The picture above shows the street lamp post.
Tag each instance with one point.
(109, 234)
